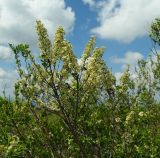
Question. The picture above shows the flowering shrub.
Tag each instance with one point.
(69, 107)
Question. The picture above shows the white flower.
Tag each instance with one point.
(117, 119)
(129, 116)
(141, 114)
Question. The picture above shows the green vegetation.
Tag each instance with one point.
(66, 107)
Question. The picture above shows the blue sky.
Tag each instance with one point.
(86, 19)
(121, 26)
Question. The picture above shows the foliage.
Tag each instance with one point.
(69, 107)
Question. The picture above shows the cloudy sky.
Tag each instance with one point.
(121, 26)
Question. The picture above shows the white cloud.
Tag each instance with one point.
(118, 76)
(2, 73)
(130, 58)
(7, 74)
(5, 53)
(7, 81)
(17, 19)
(91, 3)
(125, 20)
(17, 25)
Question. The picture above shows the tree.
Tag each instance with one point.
(69, 107)
(61, 86)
